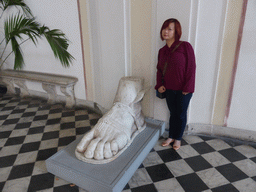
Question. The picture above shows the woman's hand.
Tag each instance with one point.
(185, 93)
(161, 89)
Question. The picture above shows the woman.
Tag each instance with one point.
(179, 79)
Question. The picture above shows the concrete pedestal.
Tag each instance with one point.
(112, 176)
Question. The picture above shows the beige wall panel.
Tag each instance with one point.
(141, 42)
(229, 44)
(83, 6)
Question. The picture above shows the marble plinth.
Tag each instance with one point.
(112, 176)
(12, 78)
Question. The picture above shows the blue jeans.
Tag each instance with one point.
(178, 106)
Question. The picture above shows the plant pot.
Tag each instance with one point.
(3, 89)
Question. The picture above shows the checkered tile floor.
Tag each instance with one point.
(32, 131)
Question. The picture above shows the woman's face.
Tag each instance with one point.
(169, 32)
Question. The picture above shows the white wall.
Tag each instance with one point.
(56, 15)
(243, 107)
(210, 21)
(108, 47)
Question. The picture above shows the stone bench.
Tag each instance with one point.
(49, 83)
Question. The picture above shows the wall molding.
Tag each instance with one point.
(86, 43)
(227, 59)
(127, 36)
(237, 52)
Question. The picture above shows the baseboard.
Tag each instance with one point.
(79, 102)
(215, 130)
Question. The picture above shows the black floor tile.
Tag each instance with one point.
(40, 117)
(34, 105)
(41, 182)
(145, 188)
(202, 148)
(7, 97)
(183, 142)
(5, 134)
(2, 185)
(126, 187)
(50, 135)
(1, 105)
(53, 121)
(159, 172)
(93, 122)
(36, 130)
(90, 111)
(232, 154)
(192, 183)
(28, 114)
(8, 108)
(11, 121)
(225, 188)
(14, 100)
(3, 117)
(44, 107)
(68, 114)
(82, 117)
(18, 111)
(66, 140)
(231, 172)
(45, 154)
(169, 155)
(23, 125)
(253, 159)
(206, 138)
(198, 163)
(58, 110)
(82, 130)
(27, 147)
(67, 125)
(66, 188)
(20, 171)
(15, 141)
(7, 161)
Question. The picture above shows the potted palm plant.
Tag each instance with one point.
(22, 27)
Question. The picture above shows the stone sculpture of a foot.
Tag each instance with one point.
(116, 130)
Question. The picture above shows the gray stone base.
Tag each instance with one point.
(112, 176)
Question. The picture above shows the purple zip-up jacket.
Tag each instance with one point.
(181, 68)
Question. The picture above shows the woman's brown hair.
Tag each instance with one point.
(178, 31)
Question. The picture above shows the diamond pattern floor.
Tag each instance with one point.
(31, 131)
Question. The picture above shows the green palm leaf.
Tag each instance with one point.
(16, 27)
(18, 61)
(21, 26)
(20, 3)
(59, 44)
